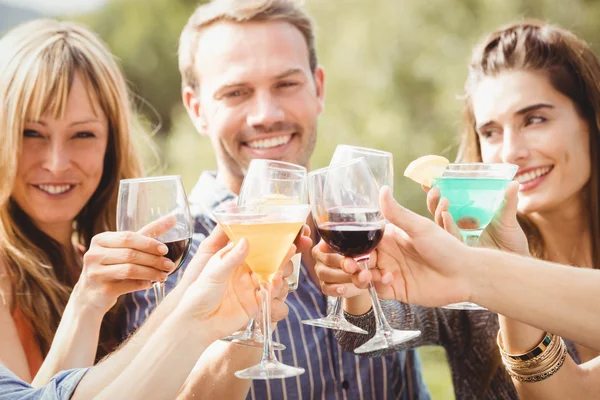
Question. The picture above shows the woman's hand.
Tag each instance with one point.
(503, 233)
(225, 293)
(122, 262)
(416, 262)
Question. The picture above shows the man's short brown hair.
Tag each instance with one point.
(239, 11)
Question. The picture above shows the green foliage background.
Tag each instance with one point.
(394, 76)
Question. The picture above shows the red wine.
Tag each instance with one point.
(178, 251)
(352, 239)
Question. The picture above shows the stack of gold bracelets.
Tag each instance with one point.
(538, 364)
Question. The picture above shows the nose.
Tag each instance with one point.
(58, 158)
(514, 146)
(266, 110)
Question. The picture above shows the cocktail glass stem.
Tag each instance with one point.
(470, 240)
(385, 336)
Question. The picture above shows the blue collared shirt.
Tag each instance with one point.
(330, 373)
(60, 387)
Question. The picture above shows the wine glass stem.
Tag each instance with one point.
(159, 291)
(381, 323)
(338, 310)
(265, 293)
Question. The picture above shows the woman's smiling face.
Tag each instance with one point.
(522, 119)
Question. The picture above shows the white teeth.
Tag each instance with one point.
(531, 175)
(54, 189)
(269, 143)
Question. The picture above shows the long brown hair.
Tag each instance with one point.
(573, 70)
(38, 62)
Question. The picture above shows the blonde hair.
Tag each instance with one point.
(239, 11)
(38, 62)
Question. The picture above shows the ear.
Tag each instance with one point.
(319, 76)
(192, 105)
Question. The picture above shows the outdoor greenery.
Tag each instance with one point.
(394, 75)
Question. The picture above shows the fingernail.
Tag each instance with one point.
(341, 290)
(362, 278)
(169, 264)
(162, 248)
(163, 276)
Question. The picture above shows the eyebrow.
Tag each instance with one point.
(520, 112)
(84, 121)
(289, 72)
(285, 74)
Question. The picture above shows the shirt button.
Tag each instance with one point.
(346, 385)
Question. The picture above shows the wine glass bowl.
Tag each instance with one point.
(146, 202)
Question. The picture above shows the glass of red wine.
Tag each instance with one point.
(146, 202)
(344, 199)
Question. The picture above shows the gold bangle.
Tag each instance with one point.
(534, 368)
(545, 374)
(531, 354)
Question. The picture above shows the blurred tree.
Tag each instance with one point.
(144, 35)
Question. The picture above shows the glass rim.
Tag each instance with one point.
(367, 150)
(151, 179)
(292, 166)
(482, 164)
(338, 165)
(221, 210)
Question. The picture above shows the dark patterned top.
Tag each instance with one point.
(469, 338)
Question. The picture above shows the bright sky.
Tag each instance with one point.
(57, 7)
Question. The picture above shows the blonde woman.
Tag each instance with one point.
(65, 126)
(159, 357)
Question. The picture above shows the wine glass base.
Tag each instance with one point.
(385, 339)
(269, 370)
(246, 340)
(465, 305)
(335, 323)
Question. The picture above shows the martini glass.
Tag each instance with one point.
(475, 192)
(270, 231)
(271, 182)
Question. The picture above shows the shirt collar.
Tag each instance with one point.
(208, 194)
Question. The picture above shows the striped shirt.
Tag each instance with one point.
(331, 372)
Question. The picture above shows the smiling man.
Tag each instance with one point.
(252, 85)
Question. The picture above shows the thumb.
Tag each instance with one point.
(159, 227)
(508, 213)
(215, 241)
(225, 262)
(403, 218)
